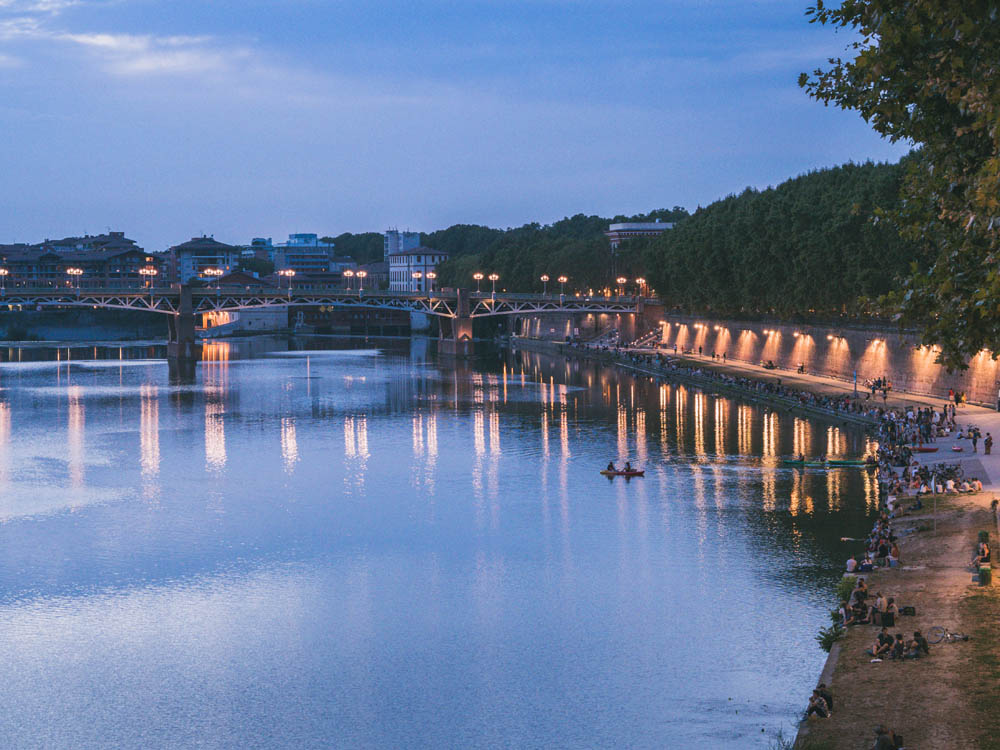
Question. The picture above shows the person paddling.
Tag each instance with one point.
(628, 466)
(611, 466)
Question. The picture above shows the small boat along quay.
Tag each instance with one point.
(946, 698)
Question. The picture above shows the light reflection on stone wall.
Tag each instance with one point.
(836, 352)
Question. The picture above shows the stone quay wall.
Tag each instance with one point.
(837, 353)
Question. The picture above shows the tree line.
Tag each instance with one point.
(813, 245)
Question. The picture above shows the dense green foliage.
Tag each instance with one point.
(929, 72)
(367, 247)
(261, 266)
(575, 247)
(811, 244)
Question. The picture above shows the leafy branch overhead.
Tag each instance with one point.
(927, 72)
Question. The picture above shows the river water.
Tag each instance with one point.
(306, 546)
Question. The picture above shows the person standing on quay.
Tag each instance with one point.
(988, 444)
(975, 440)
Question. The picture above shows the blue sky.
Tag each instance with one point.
(172, 118)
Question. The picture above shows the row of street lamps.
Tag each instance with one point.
(75, 273)
(148, 272)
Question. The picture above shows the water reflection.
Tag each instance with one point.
(149, 431)
(466, 555)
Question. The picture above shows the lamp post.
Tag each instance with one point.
(417, 275)
(642, 285)
(348, 274)
(545, 284)
(621, 285)
(431, 275)
(361, 281)
(3, 279)
(562, 285)
(148, 273)
(76, 273)
(494, 278)
(215, 273)
(478, 277)
(288, 273)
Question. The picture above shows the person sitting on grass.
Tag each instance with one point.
(898, 647)
(894, 555)
(860, 592)
(921, 643)
(824, 691)
(817, 706)
(846, 615)
(882, 645)
(982, 555)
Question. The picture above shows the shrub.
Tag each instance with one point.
(828, 636)
(845, 586)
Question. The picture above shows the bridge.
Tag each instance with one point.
(180, 302)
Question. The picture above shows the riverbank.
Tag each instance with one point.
(706, 381)
(945, 700)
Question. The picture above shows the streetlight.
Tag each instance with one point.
(3, 278)
(288, 273)
(76, 273)
(216, 273)
(361, 281)
(416, 280)
(148, 273)
(642, 284)
(478, 277)
(494, 277)
(562, 284)
(621, 285)
(431, 275)
(349, 274)
(545, 283)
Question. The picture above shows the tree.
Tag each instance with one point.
(261, 266)
(928, 71)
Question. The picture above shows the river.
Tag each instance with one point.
(351, 544)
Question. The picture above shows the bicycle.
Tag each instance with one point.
(937, 634)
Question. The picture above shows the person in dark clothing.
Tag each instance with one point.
(881, 647)
(824, 691)
(921, 643)
(898, 647)
(884, 739)
(817, 706)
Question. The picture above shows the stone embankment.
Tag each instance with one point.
(707, 379)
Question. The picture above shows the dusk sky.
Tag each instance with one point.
(173, 118)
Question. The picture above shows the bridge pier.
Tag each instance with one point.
(455, 338)
(182, 344)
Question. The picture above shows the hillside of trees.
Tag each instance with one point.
(811, 245)
(575, 247)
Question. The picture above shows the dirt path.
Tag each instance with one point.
(948, 699)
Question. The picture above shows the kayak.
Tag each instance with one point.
(846, 462)
(925, 449)
(633, 473)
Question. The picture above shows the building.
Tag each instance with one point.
(303, 253)
(404, 264)
(104, 260)
(398, 242)
(617, 233)
(190, 259)
(377, 274)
